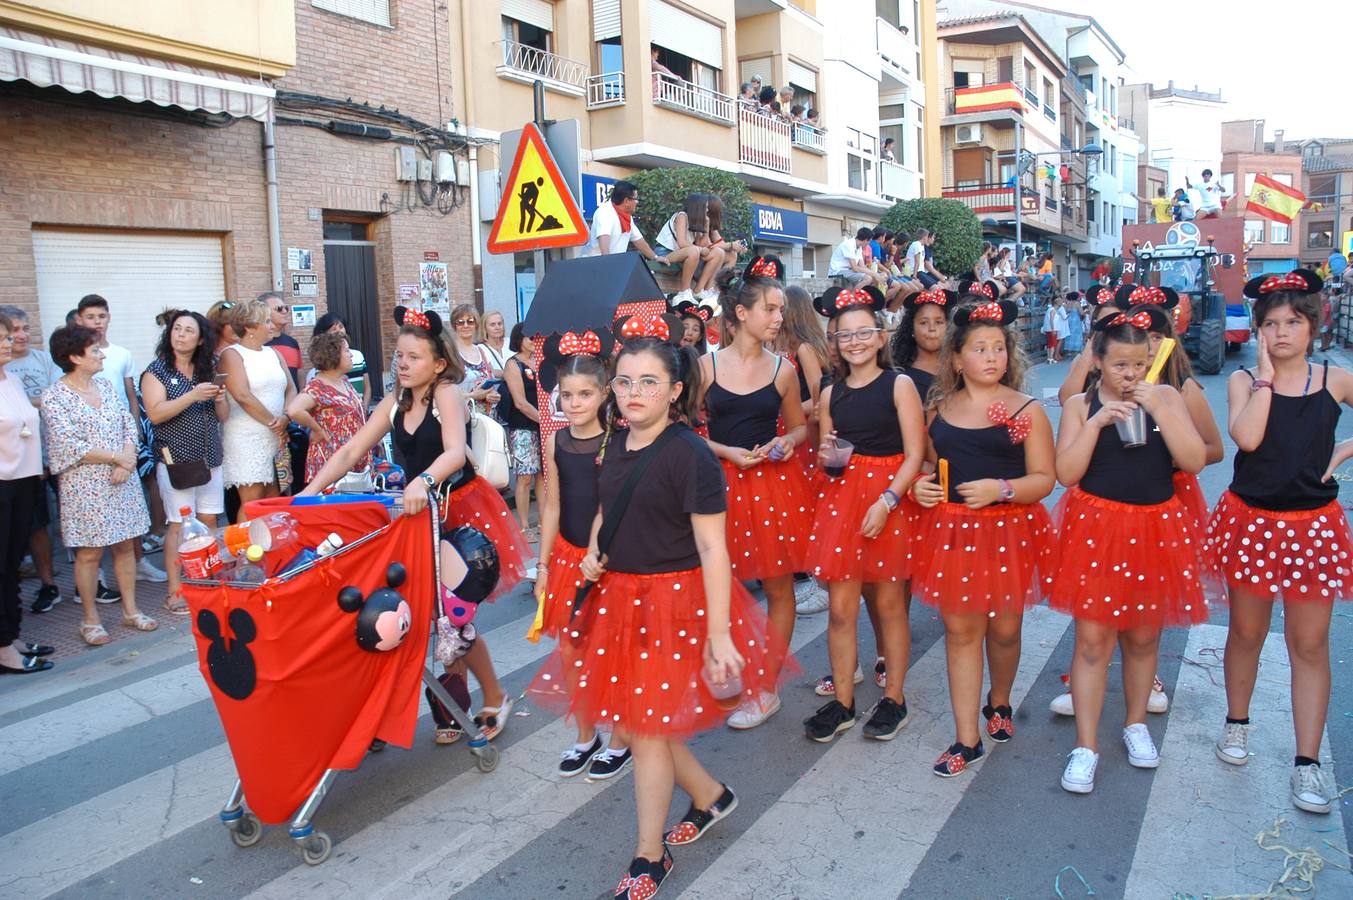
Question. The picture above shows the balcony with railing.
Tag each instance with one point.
(807, 137)
(692, 99)
(896, 50)
(896, 182)
(526, 64)
(764, 141)
(606, 89)
(1003, 101)
(983, 199)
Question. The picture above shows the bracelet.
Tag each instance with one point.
(1259, 384)
(1007, 490)
(890, 499)
(428, 480)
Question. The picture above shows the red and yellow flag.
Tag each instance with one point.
(993, 96)
(1273, 200)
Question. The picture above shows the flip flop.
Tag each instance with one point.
(30, 665)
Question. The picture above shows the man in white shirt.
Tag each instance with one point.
(613, 225)
(847, 261)
(1210, 196)
(119, 369)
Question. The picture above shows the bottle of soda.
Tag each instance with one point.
(249, 569)
(199, 551)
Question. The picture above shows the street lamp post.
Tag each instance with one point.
(1023, 160)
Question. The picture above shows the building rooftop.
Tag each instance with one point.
(1171, 91)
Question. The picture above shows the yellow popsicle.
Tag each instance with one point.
(533, 635)
(1162, 357)
(944, 478)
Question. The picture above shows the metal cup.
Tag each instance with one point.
(1132, 430)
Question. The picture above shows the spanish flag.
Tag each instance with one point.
(993, 96)
(1274, 201)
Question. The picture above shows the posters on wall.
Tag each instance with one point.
(303, 315)
(432, 285)
(409, 293)
(304, 284)
(299, 260)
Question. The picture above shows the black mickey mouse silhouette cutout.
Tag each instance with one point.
(383, 618)
(231, 666)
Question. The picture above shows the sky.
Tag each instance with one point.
(1240, 48)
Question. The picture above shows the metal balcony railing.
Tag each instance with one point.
(688, 97)
(983, 198)
(606, 89)
(951, 95)
(543, 65)
(807, 137)
(763, 140)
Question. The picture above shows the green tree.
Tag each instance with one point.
(663, 192)
(958, 233)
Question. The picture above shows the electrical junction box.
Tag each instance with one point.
(463, 173)
(444, 167)
(424, 170)
(406, 164)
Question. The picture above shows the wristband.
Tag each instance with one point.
(890, 499)
(1259, 385)
(428, 480)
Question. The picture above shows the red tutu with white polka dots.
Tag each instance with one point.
(770, 512)
(478, 505)
(565, 577)
(1289, 555)
(990, 560)
(1190, 493)
(839, 552)
(1131, 566)
(636, 649)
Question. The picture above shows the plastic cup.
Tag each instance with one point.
(1132, 430)
(834, 459)
(728, 695)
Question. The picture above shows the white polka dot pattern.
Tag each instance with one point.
(991, 560)
(837, 550)
(1289, 555)
(770, 513)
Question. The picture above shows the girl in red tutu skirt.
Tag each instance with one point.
(1279, 532)
(746, 391)
(426, 417)
(666, 624)
(577, 363)
(985, 547)
(861, 537)
(1133, 560)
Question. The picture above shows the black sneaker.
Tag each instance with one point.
(889, 717)
(696, 822)
(645, 877)
(608, 765)
(573, 760)
(1000, 722)
(957, 759)
(107, 595)
(49, 595)
(831, 719)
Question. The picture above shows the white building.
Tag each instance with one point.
(1180, 129)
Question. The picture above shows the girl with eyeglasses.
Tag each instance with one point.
(861, 537)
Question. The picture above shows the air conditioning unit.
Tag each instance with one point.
(968, 134)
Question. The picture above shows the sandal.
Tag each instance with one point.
(94, 635)
(176, 604)
(141, 622)
(493, 719)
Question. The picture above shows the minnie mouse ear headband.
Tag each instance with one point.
(1099, 295)
(691, 308)
(836, 300)
(1130, 296)
(979, 290)
(593, 342)
(666, 327)
(993, 312)
(764, 267)
(1303, 281)
(945, 300)
(1147, 318)
(428, 321)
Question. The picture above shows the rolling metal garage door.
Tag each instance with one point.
(139, 273)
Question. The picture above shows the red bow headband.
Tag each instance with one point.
(1140, 320)
(573, 344)
(982, 290)
(417, 319)
(857, 297)
(988, 312)
(702, 312)
(1292, 281)
(646, 326)
(936, 296)
(1147, 293)
(763, 266)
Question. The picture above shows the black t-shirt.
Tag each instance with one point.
(655, 534)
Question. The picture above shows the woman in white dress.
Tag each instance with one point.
(259, 390)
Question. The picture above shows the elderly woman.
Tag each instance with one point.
(258, 389)
(328, 405)
(186, 409)
(93, 453)
(20, 493)
(359, 376)
(495, 341)
(479, 382)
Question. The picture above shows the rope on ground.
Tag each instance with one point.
(1218, 657)
(1057, 882)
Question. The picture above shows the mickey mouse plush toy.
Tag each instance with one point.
(383, 618)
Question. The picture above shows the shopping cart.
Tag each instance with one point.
(299, 699)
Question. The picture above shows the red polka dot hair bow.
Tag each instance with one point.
(857, 297)
(936, 296)
(987, 312)
(646, 326)
(1140, 320)
(1147, 293)
(417, 319)
(703, 312)
(982, 290)
(1292, 281)
(1019, 426)
(764, 267)
(573, 344)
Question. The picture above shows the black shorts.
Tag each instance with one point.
(42, 515)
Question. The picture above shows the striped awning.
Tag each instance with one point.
(79, 68)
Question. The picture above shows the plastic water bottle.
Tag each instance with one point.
(275, 532)
(199, 551)
(249, 568)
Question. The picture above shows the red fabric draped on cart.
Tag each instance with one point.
(301, 696)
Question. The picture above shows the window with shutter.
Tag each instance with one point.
(377, 12)
(679, 31)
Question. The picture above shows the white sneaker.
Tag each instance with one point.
(752, 713)
(810, 598)
(146, 571)
(1079, 775)
(708, 295)
(1234, 746)
(1157, 702)
(1311, 790)
(1062, 704)
(682, 297)
(1141, 750)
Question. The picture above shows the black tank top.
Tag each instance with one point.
(923, 380)
(804, 394)
(867, 417)
(425, 445)
(1283, 473)
(515, 417)
(575, 464)
(976, 453)
(1140, 476)
(742, 420)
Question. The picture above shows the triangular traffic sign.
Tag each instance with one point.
(537, 210)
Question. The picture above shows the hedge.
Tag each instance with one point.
(663, 192)
(958, 233)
